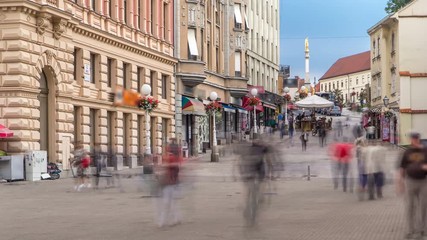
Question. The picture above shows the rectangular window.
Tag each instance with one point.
(237, 66)
(217, 13)
(109, 72)
(93, 67)
(126, 138)
(165, 86)
(208, 56)
(93, 116)
(127, 76)
(125, 11)
(192, 44)
(93, 5)
(202, 44)
(217, 59)
(153, 16)
(209, 10)
(110, 8)
(111, 125)
(140, 78)
(77, 124)
(153, 83)
(237, 17)
(78, 64)
(165, 21)
(165, 129)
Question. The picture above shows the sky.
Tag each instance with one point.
(335, 29)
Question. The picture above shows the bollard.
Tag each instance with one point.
(308, 173)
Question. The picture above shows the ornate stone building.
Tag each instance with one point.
(63, 60)
(211, 37)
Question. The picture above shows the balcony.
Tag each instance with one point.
(192, 73)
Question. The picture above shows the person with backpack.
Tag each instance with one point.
(82, 163)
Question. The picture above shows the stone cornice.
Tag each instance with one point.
(88, 31)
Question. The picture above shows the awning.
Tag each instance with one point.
(192, 43)
(376, 110)
(192, 106)
(271, 106)
(246, 22)
(237, 14)
(5, 132)
(228, 108)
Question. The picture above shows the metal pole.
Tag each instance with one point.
(308, 172)
(148, 134)
(255, 127)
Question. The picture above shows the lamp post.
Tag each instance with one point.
(146, 90)
(254, 92)
(386, 101)
(214, 156)
(286, 91)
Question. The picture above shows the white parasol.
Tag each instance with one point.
(314, 102)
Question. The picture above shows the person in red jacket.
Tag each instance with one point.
(341, 154)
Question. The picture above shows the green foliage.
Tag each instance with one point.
(338, 95)
(394, 5)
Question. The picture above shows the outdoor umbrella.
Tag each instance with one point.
(5, 132)
(314, 102)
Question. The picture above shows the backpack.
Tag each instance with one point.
(85, 162)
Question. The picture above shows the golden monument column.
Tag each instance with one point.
(307, 82)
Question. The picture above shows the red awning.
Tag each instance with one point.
(5, 132)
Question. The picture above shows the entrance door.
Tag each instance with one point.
(43, 97)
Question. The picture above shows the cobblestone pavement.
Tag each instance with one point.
(211, 203)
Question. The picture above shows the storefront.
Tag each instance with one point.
(194, 122)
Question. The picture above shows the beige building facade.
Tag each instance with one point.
(62, 62)
(211, 46)
(399, 71)
(262, 17)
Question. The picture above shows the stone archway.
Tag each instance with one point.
(47, 74)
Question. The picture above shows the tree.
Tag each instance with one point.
(338, 96)
(394, 5)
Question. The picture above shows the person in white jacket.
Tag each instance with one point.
(374, 160)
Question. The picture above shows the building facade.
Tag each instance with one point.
(63, 61)
(263, 52)
(399, 72)
(211, 45)
(350, 75)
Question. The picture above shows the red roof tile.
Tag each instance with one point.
(351, 64)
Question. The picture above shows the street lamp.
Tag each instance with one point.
(214, 156)
(254, 92)
(146, 91)
(386, 101)
(286, 91)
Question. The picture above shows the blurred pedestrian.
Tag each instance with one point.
(81, 162)
(291, 129)
(168, 212)
(375, 170)
(341, 155)
(411, 180)
(322, 136)
(304, 140)
(339, 129)
(357, 131)
(370, 130)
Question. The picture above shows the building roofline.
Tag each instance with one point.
(345, 74)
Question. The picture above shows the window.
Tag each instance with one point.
(110, 67)
(153, 80)
(373, 48)
(342, 84)
(111, 126)
(110, 8)
(237, 66)
(77, 124)
(378, 43)
(357, 81)
(93, 67)
(192, 44)
(217, 13)
(202, 40)
(93, 5)
(126, 138)
(246, 19)
(125, 11)
(208, 56)
(165, 129)
(209, 10)
(93, 116)
(217, 59)
(237, 17)
(165, 21)
(165, 86)
(138, 21)
(153, 17)
(78, 64)
(140, 77)
(127, 75)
